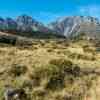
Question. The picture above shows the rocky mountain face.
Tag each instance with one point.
(22, 23)
(72, 26)
(27, 23)
(26, 26)
(65, 26)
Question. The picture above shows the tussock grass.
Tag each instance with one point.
(51, 69)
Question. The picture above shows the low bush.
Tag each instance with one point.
(81, 56)
(61, 62)
(17, 70)
(50, 50)
(89, 49)
(66, 67)
(56, 82)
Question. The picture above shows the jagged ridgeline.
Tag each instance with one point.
(63, 27)
(75, 25)
(27, 26)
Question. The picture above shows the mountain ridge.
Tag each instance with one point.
(68, 26)
(71, 26)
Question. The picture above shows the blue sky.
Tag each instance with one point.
(48, 10)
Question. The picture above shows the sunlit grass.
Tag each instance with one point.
(50, 69)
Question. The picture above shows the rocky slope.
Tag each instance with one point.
(22, 23)
(71, 26)
(26, 26)
(27, 23)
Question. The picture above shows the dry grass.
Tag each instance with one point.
(51, 70)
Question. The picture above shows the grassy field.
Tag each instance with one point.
(52, 69)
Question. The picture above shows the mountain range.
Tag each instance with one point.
(65, 26)
(22, 23)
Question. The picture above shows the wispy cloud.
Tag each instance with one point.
(90, 10)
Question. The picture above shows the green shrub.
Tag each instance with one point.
(66, 67)
(1, 93)
(55, 82)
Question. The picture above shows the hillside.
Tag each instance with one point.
(52, 69)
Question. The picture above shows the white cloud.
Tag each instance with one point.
(90, 10)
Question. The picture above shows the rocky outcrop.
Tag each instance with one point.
(27, 24)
